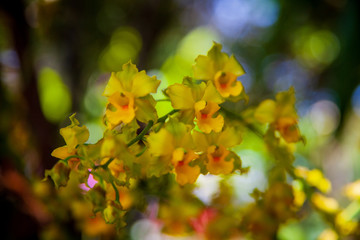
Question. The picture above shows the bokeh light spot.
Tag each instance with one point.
(55, 99)
(198, 41)
(355, 101)
(315, 48)
(125, 44)
(325, 117)
(324, 46)
(235, 18)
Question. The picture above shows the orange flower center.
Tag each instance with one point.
(181, 163)
(216, 158)
(204, 115)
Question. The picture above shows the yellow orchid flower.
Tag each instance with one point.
(128, 93)
(214, 146)
(185, 173)
(199, 101)
(73, 135)
(220, 69)
(132, 81)
(173, 146)
(281, 114)
(217, 160)
(124, 108)
(204, 112)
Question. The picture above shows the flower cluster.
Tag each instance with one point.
(142, 154)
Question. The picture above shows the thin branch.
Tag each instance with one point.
(142, 134)
(163, 118)
(148, 126)
(117, 196)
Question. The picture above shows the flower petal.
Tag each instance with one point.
(145, 109)
(181, 96)
(114, 85)
(204, 68)
(142, 84)
(124, 108)
(233, 66)
(265, 112)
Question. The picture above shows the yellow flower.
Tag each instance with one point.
(314, 177)
(298, 192)
(185, 173)
(227, 85)
(128, 93)
(204, 112)
(124, 108)
(197, 100)
(73, 135)
(281, 114)
(328, 205)
(132, 81)
(63, 153)
(217, 160)
(352, 190)
(173, 146)
(220, 69)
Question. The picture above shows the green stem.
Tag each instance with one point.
(105, 165)
(163, 100)
(242, 120)
(142, 134)
(117, 196)
(149, 125)
(70, 157)
(141, 152)
(163, 118)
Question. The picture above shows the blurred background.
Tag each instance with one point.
(56, 57)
